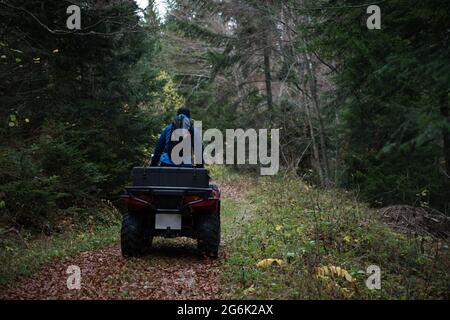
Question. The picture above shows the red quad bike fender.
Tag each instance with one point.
(208, 205)
(195, 203)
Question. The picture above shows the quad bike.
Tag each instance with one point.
(171, 202)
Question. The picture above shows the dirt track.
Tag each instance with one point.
(171, 269)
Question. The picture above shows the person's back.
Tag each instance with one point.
(181, 126)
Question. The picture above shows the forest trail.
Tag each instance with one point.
(168, 271)
(171, 269)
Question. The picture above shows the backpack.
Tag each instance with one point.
(180, 122)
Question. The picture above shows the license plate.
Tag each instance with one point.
(168, 221)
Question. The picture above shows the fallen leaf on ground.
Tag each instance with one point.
(269, 262)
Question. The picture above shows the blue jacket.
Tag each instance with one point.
(160, 155)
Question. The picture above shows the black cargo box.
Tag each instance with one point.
(177, 177)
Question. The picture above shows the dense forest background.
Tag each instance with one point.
(363, 110)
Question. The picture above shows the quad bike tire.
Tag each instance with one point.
(208, 234)
(133, 237)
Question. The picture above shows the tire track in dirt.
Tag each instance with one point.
(171, 269)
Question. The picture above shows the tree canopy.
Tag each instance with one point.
(360, 109)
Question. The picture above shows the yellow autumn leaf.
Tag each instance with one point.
(348, 238)
(279, 227)
(326, 271)
(348, 276)
(325, 278)
(250, 290)
(339, 271)
(322, 272)
(319, 272)
(269, 262)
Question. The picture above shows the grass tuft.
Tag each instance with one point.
(18, 260)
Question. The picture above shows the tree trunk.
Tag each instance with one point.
(267, 73)
(315, 99)
(313, 140)
(265, 27)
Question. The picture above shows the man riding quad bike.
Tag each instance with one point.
(171, 200)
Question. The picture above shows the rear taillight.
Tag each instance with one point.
(188, 199)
